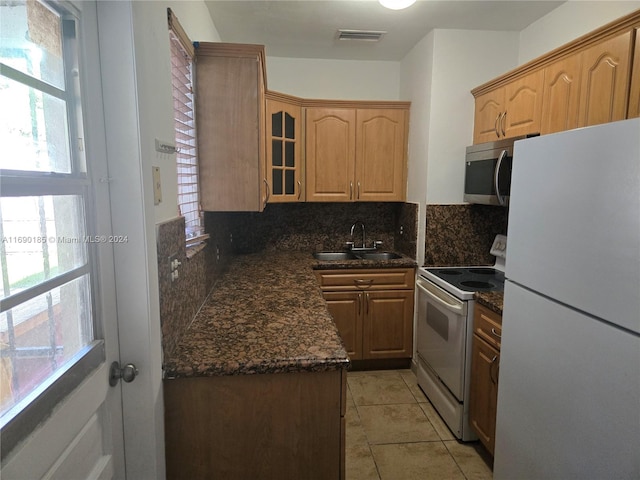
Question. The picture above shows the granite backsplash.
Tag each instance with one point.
(325, 227)
(462, 234)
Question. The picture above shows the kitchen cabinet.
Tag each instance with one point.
(561, 95)
(634, 92)
(356, 153)
(284, 172)
(372, 309)
(588, 81)
(266, 426)
(605, 77)
(509, 111)
(485, 365)
(230, 88)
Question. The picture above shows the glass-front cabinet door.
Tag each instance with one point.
(283, 152)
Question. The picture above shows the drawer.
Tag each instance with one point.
(366, 279)
(487, 324)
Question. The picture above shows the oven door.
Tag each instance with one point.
(441, 331)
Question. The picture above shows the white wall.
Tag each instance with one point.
(568, 22)
(153, 77)
(334, 79)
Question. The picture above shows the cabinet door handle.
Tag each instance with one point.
(299, 189)
(358, 192)
(367, 297)
(350, 190)
(495, 124)
(266, 198)
(493, 330)
(359, 303)
(493, 362)
(503, 122)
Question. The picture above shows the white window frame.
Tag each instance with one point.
(25, 416)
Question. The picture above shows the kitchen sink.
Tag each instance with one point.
(334, 256)
(378, 256)
(370, 255)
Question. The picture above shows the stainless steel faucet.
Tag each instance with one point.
(363, 233)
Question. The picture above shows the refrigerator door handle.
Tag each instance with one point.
(496, 176)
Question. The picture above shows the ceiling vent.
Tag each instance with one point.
(364, 35)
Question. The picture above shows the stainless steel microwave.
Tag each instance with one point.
(487, 177)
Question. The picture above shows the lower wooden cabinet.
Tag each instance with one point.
(373, 310)
(485, 365)
(263, 426)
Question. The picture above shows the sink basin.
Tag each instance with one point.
(379, 256)
(334, 256)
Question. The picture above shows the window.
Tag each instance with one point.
(47, 322)
(182, 53)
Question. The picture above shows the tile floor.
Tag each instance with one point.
(394, 433)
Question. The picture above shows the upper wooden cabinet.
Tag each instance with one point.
(356, 154)
(605, 81)
(509, 111)
(284, 163)
(561, 95)
(634, 92)
(230, 87)
(585, 82)
(330, 136)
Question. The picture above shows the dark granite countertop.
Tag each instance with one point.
(266, 315)
(491, 300)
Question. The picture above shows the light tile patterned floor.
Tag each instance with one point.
(394, 433)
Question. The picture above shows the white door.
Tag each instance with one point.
(75, 429)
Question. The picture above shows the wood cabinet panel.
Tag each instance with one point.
(269, 426)
(605, 76)
(230, 117)
(330, 154)
(561, 95)
(488, 326)
(634, 92)
(523, 106)
(484, 391)
(488, 110)
(387, 333)
(284, 161)
(380, 153)
(346, 310)
(372, 309)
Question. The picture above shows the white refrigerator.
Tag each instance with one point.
(569, 380)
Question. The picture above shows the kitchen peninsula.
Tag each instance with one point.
(256, 386)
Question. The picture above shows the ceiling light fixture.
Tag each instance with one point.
(396, 4)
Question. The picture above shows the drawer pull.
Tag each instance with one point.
(493, 330)
(362, 282)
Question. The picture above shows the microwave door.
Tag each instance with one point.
(480, 181)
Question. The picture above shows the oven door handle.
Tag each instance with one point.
(457, 307)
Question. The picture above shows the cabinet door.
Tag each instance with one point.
(330, 154)
(388, 324)
(346, 308)
(380, 155)
(284, 168)
(488, 111)
(523, 106)
(485, 361)
(561, 95)
(230, 115)
(634, 95)
(605, 73)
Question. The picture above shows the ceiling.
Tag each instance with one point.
(308, 28)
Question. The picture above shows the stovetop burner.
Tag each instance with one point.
(471, 279)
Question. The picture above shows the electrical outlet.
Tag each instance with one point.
(401, 229)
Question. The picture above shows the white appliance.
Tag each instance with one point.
(569, 384)
(445, 332)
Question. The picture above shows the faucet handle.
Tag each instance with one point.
(349, 245)
(377, 243)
